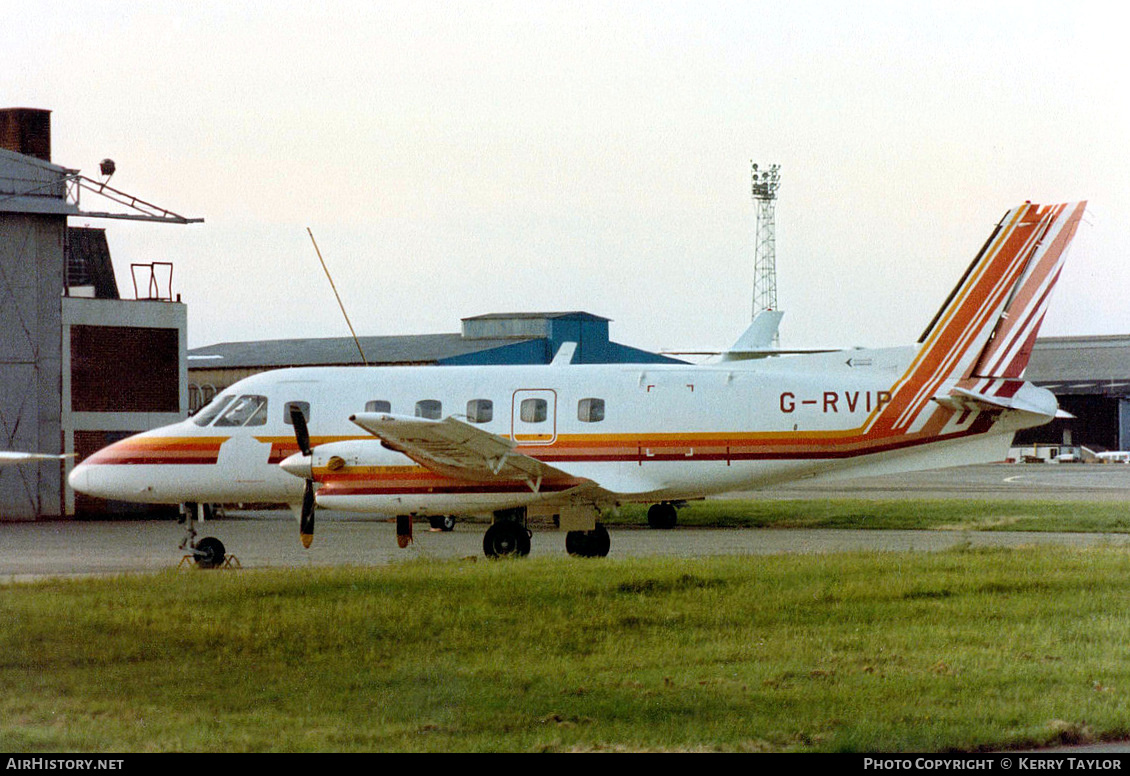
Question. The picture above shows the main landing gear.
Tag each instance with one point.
(207, 553)
(508, 536)
(443, 523)
(662, 516)
(588, 544)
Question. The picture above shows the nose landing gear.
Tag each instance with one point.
(209, 552)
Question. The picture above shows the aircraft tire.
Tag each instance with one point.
(442, 522)
(588, 544)
(506, 539)
(209, 552)
(662, 516)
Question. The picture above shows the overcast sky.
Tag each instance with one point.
(455, 159)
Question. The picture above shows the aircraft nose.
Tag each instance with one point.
(91, 479)
(97, 476)
(78, 478)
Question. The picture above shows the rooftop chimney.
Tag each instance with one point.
(26, 131)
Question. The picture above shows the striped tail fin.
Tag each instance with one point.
(1010, 345)
(987, 326)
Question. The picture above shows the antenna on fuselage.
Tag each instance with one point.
(339, 304)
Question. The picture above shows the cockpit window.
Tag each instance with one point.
(214, 408)
(247, 410)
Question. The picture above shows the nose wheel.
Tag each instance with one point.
(207, 553)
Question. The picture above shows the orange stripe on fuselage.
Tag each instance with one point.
(160, 450)
(284, 447)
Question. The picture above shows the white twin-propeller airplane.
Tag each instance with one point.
(574, 440)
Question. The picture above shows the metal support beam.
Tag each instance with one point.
(144, 211)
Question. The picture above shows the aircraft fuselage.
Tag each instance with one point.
(648, 432)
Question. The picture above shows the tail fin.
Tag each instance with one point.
(990, 320)
(988, 324)
(1010, 345)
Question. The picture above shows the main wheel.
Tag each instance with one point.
(442, 522)
(506, 539)
(662, 515)
(209, 552)
(588, 544)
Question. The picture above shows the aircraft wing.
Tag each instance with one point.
(10, 458)
(457, 449)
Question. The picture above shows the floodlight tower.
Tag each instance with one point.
(764, 189)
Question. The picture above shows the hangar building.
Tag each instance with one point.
(1091, 378)
(67, 339)
(498, 338)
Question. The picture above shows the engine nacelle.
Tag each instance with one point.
(335, 456)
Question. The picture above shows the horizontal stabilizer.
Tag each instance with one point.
(746, 355)
(1024, 398)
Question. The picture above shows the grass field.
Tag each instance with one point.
(940, 514)
(958, 650)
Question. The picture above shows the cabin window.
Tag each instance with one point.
(534, 410)
(303, 407)
(590, 410)
(480, 410)
(214, 408)
(429, 408)
(378, 405)
(248, 410)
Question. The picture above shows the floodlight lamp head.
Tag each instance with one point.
(107, 168)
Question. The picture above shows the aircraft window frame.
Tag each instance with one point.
(480, 410)
(212, 409)
(302, 405)
(250, 409)
(378, 405)
(429, 409)
(590, 410)
(533, 410)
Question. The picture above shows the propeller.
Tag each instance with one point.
(302, 437)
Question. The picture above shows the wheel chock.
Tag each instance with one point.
(189, 562)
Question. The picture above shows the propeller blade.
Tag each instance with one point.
(302, 437)
(301, 433)
(306, 523)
